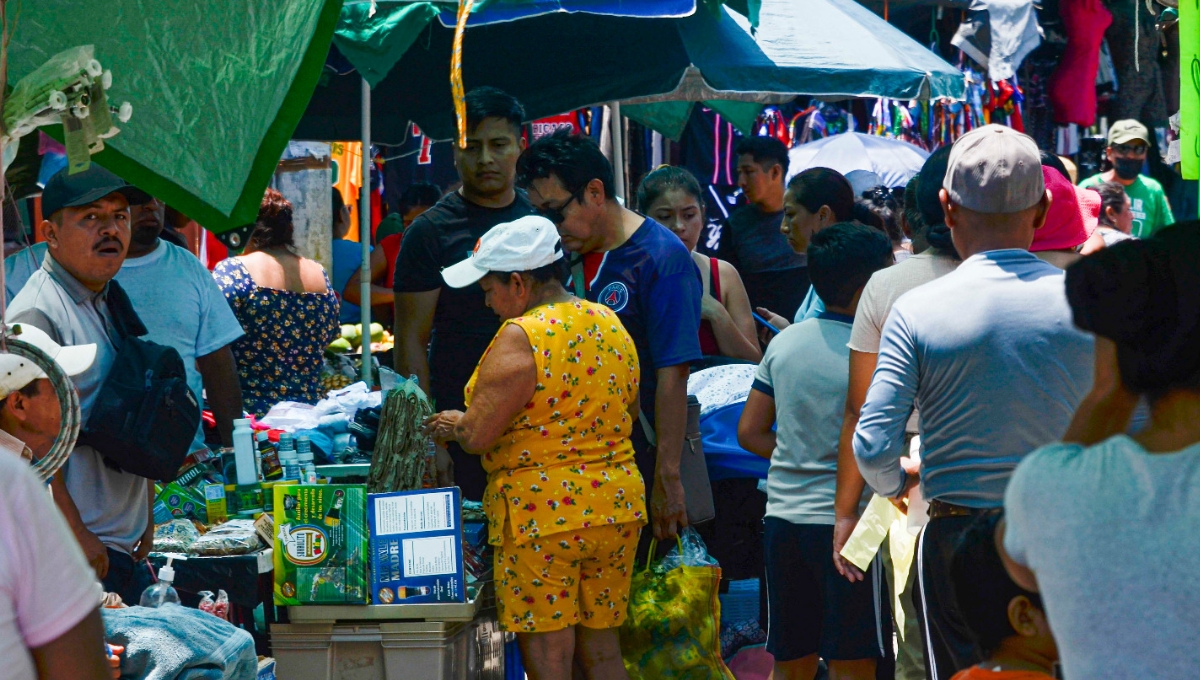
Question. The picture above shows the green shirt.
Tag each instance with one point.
(1147, 201)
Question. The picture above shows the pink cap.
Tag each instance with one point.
(1073, 216)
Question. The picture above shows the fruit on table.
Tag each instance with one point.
(341, 346)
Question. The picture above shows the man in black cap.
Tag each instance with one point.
(87, 232)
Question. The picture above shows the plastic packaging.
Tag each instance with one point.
(221, 609)
(258, 468)
(269, 457)
(207, 601)
(304, 457)
(161, 593)
(243, 448)
(176, 536)
(695, 553)
(235, 537)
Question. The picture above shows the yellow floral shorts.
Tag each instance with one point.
(574, 577)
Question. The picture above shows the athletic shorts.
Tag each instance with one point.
(574, 577)
(811, 608)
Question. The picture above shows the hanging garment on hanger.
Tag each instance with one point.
(1073, 85)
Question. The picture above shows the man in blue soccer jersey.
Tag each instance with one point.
(644, 273)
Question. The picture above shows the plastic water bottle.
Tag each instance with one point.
(161, 593)
(429, 479)
(308, 471)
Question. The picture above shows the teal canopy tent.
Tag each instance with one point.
(558, 62)
(216, 88)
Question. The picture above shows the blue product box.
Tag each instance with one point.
(475, 533)
(416, 546)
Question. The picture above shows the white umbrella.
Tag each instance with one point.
(894, 160)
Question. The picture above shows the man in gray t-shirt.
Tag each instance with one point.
(88, 233)
(990, 354)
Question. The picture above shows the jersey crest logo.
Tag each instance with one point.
(615, 296)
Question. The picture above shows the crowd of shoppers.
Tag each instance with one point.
(1007, 319)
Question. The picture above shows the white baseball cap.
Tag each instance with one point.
(518, 246)
(17, 371)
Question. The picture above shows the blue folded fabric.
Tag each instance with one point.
(178, 643)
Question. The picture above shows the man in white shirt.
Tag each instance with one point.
(50, 623)
(181, 306)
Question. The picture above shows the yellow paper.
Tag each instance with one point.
(902, 546)
(872, 528)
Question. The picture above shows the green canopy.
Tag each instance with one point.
(216, 87)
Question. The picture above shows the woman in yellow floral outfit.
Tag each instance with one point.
(549, 409)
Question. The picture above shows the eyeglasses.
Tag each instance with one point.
(556, 215)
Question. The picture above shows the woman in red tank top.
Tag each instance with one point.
(672, 197)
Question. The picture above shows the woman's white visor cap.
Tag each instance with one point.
(518, 246)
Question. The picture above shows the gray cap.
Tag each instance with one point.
(995, 169)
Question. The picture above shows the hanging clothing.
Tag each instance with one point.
(1073, 85)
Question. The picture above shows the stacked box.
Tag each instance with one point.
(320, 544)
(416, 546)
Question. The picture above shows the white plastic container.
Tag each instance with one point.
(243, 452)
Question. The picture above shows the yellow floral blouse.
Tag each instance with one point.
(566, 463)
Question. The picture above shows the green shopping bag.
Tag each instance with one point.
(674, 623)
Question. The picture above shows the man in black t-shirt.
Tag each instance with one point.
(442, 332)
(775, 275)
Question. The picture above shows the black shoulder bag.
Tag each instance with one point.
(145, 417)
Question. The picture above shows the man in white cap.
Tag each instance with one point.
(992, 357)
(30, 417)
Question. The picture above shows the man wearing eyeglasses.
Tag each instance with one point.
(644, 273)
(442, 332)
(1128, 142)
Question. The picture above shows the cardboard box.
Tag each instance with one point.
(416, 546)
(214, 502)
(320, 544)
(184, 502)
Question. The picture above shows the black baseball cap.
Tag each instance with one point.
(65, 190)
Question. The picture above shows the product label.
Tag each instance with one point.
(414, 514)
(428, 556)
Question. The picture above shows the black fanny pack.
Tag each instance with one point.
(145, 417)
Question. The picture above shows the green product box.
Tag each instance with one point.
(184, 502)
(321, 544)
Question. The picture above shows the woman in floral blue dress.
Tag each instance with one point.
(287, 308)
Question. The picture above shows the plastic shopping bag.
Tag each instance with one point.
(674, 623)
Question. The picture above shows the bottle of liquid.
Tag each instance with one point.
(287, 457)
(161, 593)
(308, 471)
(267, 456)
(334, 516)
(243, 452)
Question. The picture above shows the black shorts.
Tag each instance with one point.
(811, 608)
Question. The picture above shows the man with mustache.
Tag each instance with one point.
(182, 307)
(87, 231)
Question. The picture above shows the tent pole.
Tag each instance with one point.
(364, 233)
(618, 150)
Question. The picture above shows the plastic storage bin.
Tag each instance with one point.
(741, 602)
(429, 650)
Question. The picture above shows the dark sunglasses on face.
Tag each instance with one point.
(556, 215)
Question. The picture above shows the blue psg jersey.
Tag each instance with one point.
(653, 285)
